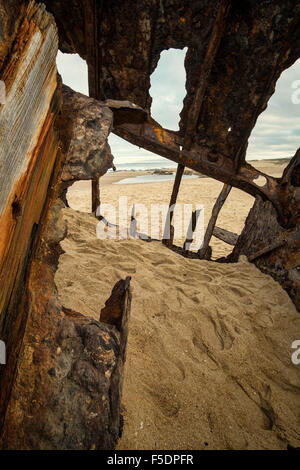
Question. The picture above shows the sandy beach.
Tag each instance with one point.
(203, 191)
(209, 348)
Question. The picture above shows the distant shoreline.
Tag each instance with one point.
(268, 166)
(276, 161)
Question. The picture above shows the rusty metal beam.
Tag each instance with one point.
(193, 115)
(225, 235)
(95, 195)
(205, 251)
(267, 249)
(191, 229)
(151, 136)
(91, 38)
(204, 70)
(168, 236)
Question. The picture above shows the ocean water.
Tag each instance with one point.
(152, 179)
(144, 164)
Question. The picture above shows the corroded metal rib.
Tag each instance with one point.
(225, 235)
(205, 251)
(204, 72)
(169, 229)
(151, 136)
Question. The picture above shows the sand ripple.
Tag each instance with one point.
(209, 350)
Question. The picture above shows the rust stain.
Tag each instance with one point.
(29, 192)
(159, 134)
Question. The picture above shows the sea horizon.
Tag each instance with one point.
(163, 163)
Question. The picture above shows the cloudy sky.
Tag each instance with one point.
(276, 134)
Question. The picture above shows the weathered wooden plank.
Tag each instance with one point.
(28, 153)
(23, 116)
(73, 359)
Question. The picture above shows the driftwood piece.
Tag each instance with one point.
(225, 235)
(168, 235)
(205, 251)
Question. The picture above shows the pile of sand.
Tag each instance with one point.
(209, 350)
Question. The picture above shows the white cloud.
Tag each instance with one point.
(168, 88)
(277, 130)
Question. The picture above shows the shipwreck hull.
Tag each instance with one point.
(59, 363)
(62, 383)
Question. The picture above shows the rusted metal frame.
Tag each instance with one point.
(290, 192)
(204, 72)
(290, 169)
(142, 236)
(95, 195)
(225, 235)
(191, 229)
(194, 111)
(168, 235)
(245, 136)
(205, 250)
(91, 41)
(156, 139)
(193, 116)
(91, 24)
(267, 249)
(117, 310)
(262, 103)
